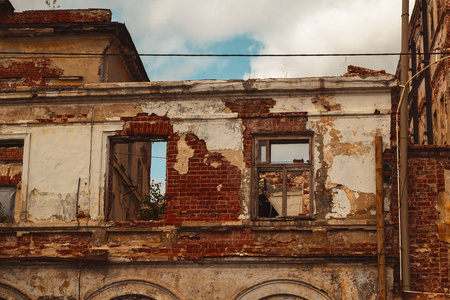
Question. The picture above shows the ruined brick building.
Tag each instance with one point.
(429, 153)
(271, 189)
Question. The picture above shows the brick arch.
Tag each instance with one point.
(9, 292)
(132, 297)
(283, 289)
(138, 288)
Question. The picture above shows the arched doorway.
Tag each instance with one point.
(133, 290)
(283, 297)
(133, 297)
(8, 292)
(283, 289)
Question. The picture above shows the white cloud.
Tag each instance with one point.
(282, 26)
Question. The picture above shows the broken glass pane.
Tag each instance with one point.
(262, 152)
(270, 194)
(289, 151)
(297, 192)
(7, 201)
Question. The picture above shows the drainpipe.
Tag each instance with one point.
(403, 185)
(380, 219)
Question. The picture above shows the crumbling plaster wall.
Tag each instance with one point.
(70, 142)
(166, 280)
(37, 72)
(61, 160)
(345, 127)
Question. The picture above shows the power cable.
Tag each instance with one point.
(216, 55)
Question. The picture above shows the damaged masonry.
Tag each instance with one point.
(266, 189)
(113, 187)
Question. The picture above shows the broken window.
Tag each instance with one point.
(11, 158)
(137, 175)
(282, 177)
(7, 203)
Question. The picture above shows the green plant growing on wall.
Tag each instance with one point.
(4, 218)
(153, 205)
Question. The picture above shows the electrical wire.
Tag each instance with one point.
(46, 54)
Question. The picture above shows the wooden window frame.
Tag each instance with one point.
(266, 165)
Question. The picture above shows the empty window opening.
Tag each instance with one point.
(11, 161)
(7, 203)
(137, 179)
(282, 176)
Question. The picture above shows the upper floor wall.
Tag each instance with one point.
(275, 150)
(51, 48)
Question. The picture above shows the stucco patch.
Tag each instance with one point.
(184, 153)
(341, 206)
(325, 103)
(443, 207)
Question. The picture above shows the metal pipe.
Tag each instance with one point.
(403, 186)
(380, 219)
(77, 206)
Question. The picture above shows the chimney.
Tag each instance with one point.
(6, 7)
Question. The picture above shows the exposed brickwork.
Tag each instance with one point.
(257, 119)
(29, 72)
(61, 118)
(10, 157)
(57, 16)
(274, 125)
(359, 71)
(208, 192)
(195, 196)
(11, 154)
(251, 108)
(196, 244)
(146, 125)
(429, 256)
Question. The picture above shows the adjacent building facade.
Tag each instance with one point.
(429, 153)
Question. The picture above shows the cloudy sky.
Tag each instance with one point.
(253, 27)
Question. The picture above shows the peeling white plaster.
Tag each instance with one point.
(59, 157)
(184, 153)
(245, 194)
(217, 134)
(223, 136)
(199, 109)
(355, 172)
(349, 103)
(348, 150)
(363, 129)
(341, 205)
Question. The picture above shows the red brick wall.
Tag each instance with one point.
(10, 155)
(29, 72)
(194, 196)
(257, 119)
(429, 256)
(189, 244)
(57, 16)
